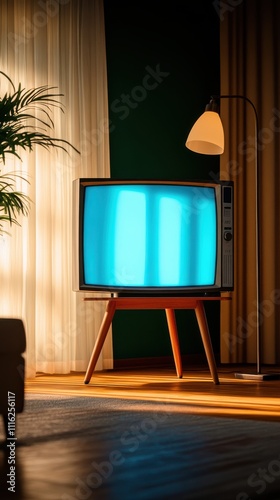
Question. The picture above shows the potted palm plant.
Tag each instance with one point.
(25, 120)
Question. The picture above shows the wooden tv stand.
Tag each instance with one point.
(169, 304)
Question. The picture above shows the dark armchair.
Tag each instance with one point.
(12, 371)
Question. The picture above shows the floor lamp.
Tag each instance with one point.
(207, 137)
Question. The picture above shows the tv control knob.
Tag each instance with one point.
(228, 236)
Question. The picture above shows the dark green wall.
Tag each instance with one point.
(163, 65)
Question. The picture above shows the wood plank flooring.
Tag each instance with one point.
(114, 439)
(232, 397)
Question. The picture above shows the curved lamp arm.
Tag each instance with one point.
(207, 137)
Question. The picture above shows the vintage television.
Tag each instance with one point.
(152, 236)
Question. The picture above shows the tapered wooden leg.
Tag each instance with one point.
(171, 321)
(105, 325)
(206, 339)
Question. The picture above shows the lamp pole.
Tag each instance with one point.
(258, 238)
(212, 106)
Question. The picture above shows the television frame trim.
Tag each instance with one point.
(224, 231)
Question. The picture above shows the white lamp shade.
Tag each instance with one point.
(207, 135)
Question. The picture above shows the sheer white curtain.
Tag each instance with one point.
(59, 43)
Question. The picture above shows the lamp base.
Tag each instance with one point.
(258, 376)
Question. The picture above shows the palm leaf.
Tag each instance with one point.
(13, 203)
(25, 119)
(25, 122)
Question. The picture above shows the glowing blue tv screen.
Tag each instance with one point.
(148, 236)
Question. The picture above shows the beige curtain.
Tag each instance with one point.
(250, 51)
(59, 43)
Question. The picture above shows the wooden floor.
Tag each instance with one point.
(114, 439)
(232, 397)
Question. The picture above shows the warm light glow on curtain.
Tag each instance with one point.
(61, 44)
(250, 45)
